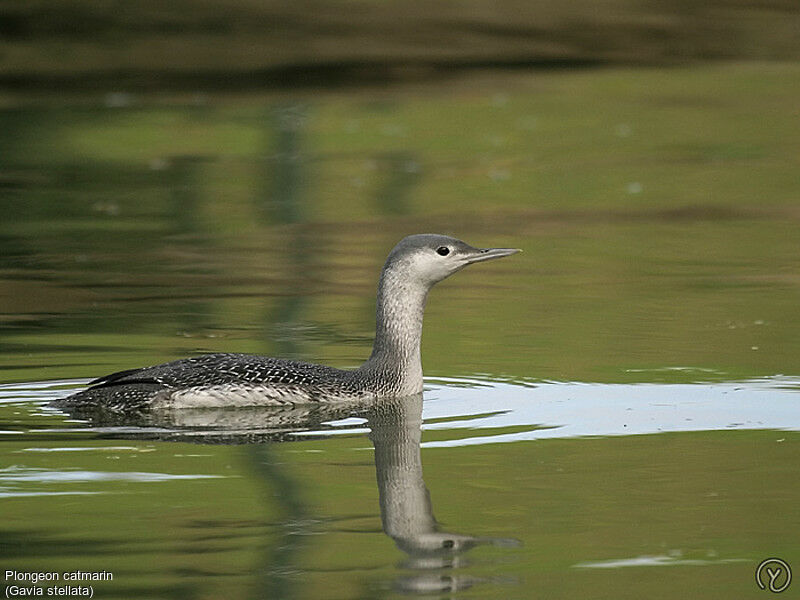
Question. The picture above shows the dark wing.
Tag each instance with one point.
(116, 378)
(134, 388)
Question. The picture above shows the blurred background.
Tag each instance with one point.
(200, 175)
(204, 175)
(210, 44)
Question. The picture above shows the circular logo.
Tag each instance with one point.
(773, 574)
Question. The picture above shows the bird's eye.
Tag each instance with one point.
(443, 251)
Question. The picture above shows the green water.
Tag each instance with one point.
(659, 283)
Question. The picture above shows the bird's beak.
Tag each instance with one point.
(490, 253)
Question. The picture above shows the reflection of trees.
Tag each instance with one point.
(182, 176)
(400, 174)
(134, 230)
(284, 204)
(274, 571)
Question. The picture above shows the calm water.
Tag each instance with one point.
(612, 413)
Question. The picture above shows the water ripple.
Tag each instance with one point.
(15, 474)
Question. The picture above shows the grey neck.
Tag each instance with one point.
(395, 361)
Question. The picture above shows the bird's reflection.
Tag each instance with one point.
(395, 429)
(406, 509)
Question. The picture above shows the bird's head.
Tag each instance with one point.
(429, 258)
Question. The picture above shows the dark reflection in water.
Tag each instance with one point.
(402, 172)
(184, 181)
(406, 510)
(125, 225)
(276, 561)
(283, 204)
(283, 200)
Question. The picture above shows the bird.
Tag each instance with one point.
(394, 368)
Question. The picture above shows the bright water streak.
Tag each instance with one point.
(562, 410)
(475, 408)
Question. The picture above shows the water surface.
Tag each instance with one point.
(611, 413)
(604, 485)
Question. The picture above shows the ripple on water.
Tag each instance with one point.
(481, 411)
(563, 410)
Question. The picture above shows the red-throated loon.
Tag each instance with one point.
(394, 368)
